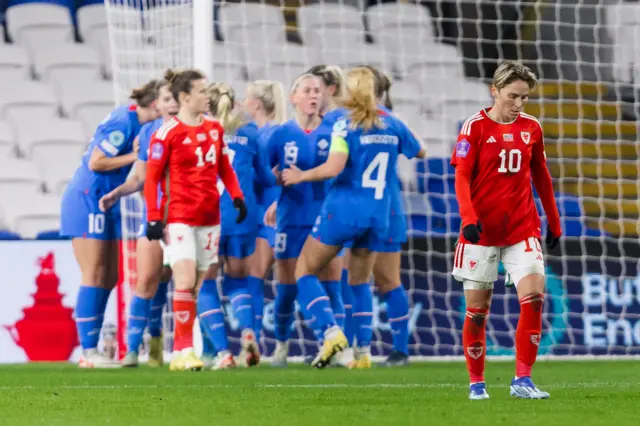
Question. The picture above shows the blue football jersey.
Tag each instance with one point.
(266, 195)
(298, 205)
(250, 166)
(114, 137)
(144, 137)
(361, 195)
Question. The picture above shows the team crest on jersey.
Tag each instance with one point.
(182, 316)
(507, 137)
(475, 352)
(156, 151)
(526, 137)
(214, 135)
(462, 148)
(201, 137)
(535, 339)
(472, 264)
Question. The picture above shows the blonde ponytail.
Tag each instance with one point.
(271, 94)
(361, 99)
(222, 99)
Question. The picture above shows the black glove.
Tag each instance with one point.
(551, 240)
(155, 230)
(239, 204)
(472, 232)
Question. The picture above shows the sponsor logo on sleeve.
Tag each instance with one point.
(156, 151)
(116, 138)
(462, 148)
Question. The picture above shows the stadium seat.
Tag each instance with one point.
(228, 62)
(14, 63)
(91, 116)
(257, 24)
(6, 235)
(27, 100)
(623, 24)
(51, 235)
(395, 18)
(87, 94)
(18, 177)
(66, 62)
(431, 60)
(29, 214)
(91, 18)
(36, 24)
(58, 132)
(8, 143)
(284, 64)
(331, 17)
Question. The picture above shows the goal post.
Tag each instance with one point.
(440, 55)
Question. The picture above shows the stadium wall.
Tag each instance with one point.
(593, 304)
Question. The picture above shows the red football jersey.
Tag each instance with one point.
(190, 158)
(495, 163)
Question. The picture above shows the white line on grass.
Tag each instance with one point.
(577, 385)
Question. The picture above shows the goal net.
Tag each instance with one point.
(441, 56)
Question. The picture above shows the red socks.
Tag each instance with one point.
(184, 313)
(474, 342)
(528, 333)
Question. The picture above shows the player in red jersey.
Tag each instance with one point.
(190, 153)
(499, 152)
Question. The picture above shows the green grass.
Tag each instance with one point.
(582, 393)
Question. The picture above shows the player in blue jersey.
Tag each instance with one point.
(95, 234)
(153, 273)
(364, 150)
(297, 142)
(237, 240)
(386, 270)
(265, 104)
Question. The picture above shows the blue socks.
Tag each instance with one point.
(89, 313)
(315, 303)
(363, 313)
(211, 315)
(255, 286)
(398, 316)
(334, 291)
(207, 345)
(347, 299)
(138, 317)
(157, 307)
(236, 290)
(284, 307)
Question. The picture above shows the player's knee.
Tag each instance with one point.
(385, 285)
(528, 281)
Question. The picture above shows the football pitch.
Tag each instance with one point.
(582, 393)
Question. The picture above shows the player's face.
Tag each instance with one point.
(166, 105)
(198, 98)
(511, 99)
(308, 96)
(251, 105)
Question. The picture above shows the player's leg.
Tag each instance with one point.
(524, 263)
(235, 287)
(95, 246)
(183, 250)
(156, 344)
(386, 273)
(477, 268)
(315, 303)
(330, 277)
(149, 267)
(260, 263)
(361, 264)
(347, 299)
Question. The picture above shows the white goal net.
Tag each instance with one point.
(441, 55)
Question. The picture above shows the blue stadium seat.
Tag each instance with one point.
(66, 3)
(9, 236)
(51, 235)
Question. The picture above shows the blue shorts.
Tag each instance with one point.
(289, 241)
(238, 246)
(268, 233)
(80, 216)
(334, 233)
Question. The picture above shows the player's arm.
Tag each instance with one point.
(264, 174)
(134, 183)
(544, 185)
(413, 145)
(464, 160)
(156, 166)
(106, 154)
(230, 181)
(336, 162)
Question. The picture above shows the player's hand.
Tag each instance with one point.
(155, 230)
(239, 204)
(551, 240)
(270, 215)
(472, 232)
(292, 175)
(107, 201)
